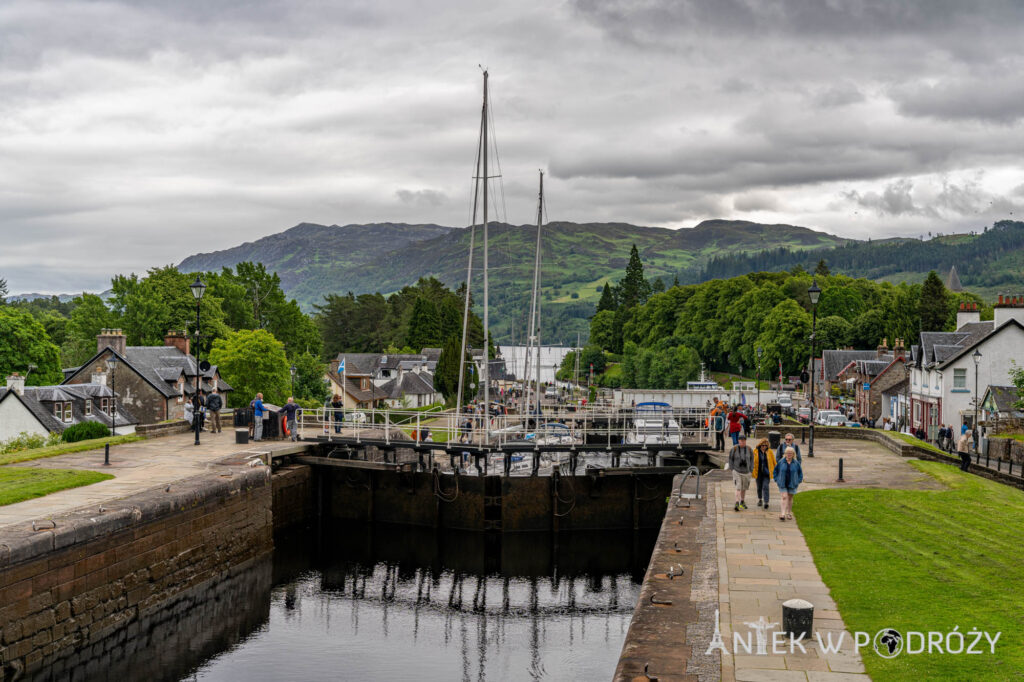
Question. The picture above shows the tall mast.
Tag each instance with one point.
(485, 373)
(469, 281)
(536, 283)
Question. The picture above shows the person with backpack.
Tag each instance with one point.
(741, 461)
(214, 404)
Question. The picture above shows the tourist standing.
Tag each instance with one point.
(289, 410)
(337, 404)
(963, 448)
(735, 419)
(764, 465)
(214, 404)
(741, 461)
(258, 410)
(788, 475)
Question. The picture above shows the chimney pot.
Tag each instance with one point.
(177, 339)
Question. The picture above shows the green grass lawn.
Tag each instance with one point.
(65, 448)
(23, 483)
(914, 440)
(925, 561)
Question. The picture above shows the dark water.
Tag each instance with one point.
(394, 603)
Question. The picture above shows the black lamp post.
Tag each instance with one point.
(112, 365)
(814, 293)
(760, 352)
(198, 289)
(977, 398)
(293, 369)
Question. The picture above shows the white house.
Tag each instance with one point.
(51, 409)
(950, 370)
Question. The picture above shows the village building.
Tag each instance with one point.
(871, 378)
(951, 371)
(394, 379)
(52, 409)
(153, 382)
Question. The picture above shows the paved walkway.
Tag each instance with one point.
(136, 467)
(763, 562)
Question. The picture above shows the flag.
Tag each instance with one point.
(341, 366)
(780, 371)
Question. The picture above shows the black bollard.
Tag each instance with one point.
(106, 455)
(798, 618)
(840, 479)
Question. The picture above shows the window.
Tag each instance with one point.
(365, 384)
(960, 378)
(105, 405)
(88, 408)
(58, 410)
(67, 411)
(917, 411)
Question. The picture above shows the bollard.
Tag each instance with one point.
(797, 618)
(840, 479)
(106, 455)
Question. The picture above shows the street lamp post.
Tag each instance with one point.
(111, 366)
(293, 369)
(760, 352)
(814, 293)
(198, 289)
(977, 398)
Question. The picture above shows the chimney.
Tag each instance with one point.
(177, 339)
(968, 313)
(99, 378)
(111, 338)
(883, 349)
(1008, 307)
(16, 383)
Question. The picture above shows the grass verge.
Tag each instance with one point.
(22, 483)
(925, 561)
(914, 440)
(66, 448)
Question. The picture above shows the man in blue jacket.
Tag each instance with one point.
(257, 417)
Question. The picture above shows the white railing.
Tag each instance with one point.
(584, 429)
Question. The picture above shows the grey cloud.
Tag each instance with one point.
(421, 197)
(894, 200)
(756, 201)
(984, 97)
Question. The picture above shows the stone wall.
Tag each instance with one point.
(1007, 449)
(293, 495)
(84, 579)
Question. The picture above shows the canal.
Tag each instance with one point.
(382, 602)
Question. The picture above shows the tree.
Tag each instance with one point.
(252, 361)
(833, 332)
(602, 332)
(424, 329)
(24, 342)
(1017, 378)
(822, 269)
(934, 304)
(446, 374)
(868, 330)
(3, 291)
(634, 289)
(310, 381)
(607, 301)
(658, 286)
(785, 336)
(89, 316)
(592, 355)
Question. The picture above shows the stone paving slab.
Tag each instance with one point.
(136, 467)
(763, 562)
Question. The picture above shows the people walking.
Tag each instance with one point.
(735, 420)
(289, 410)
(716, 422)
(788, 476)
(258, 412)
(741, 461)
(790, 442)
(963, 448)
(764, 465)
(214, 404)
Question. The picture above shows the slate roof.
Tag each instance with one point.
(433, 354)
(1004, 397)
(39, 401)
(976, 338)
(161, 367)
(873, 368)
(410, 384)
(353, 388)
(836, 360)
(357, 364)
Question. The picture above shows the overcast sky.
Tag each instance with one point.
(134, 134)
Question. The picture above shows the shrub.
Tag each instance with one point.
(85, 431)
(25, 441)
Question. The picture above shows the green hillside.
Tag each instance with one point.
(314, 260)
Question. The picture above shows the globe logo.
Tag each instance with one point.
(888, 643)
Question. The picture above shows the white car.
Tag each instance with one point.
(785, 402)
(822, 416)
(836, 420)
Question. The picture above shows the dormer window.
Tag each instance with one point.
(88, 408)
(105, 405)
(365, 384)
(67, 412)
(58, 410)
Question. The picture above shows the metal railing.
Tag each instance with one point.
(589, 427)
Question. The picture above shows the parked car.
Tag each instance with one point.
(821, 416)
(785, 402)
(803, 415)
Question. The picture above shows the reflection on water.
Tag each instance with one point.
(394, 603)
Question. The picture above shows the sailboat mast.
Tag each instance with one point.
(485, 372)
(536, 281)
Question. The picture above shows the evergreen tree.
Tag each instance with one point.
(658, 286)
(424, 325)
(607, 301)
(934, 304)
(3, 291)
(634, 287)
(822, 269)
(675, 281)
(446, 375)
